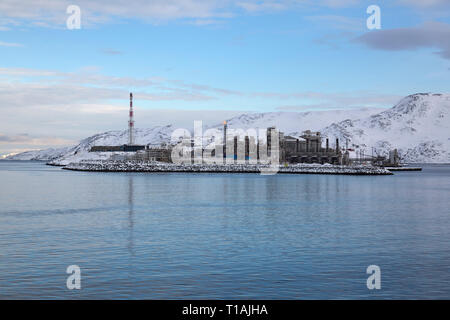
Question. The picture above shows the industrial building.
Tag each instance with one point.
(161, 154)
(122, 148)
(248, 149)
(308, 149)
(237, 149)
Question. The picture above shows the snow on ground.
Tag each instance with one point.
(294, 123)
(44, 155)
(419, 126)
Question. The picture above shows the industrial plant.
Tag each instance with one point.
(246, 149)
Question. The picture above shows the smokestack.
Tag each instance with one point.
(337, 145)
(235, 148)
(225, 126)
(328, 144)
(131, 123)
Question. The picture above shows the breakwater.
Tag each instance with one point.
(144, 166)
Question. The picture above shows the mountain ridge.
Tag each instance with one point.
(418, 126)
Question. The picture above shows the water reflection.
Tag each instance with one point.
(131, 215)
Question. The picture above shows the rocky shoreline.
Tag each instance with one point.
(140, 166)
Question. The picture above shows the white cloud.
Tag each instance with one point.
(91, 91)
(334, 22)
(26, 139)
(259, 6)
(27, 72)
(52, 13)
(340, 3)
(73, 105)
(341, 100)
(88, 85)
(10, 44)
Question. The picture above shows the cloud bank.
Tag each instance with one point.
(428, 35)
(51, 13)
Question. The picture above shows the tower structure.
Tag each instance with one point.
(225, 127)
(131, 123)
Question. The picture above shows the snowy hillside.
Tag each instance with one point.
(418, 126)
(294, 123)
(43, 155)
(155, 135)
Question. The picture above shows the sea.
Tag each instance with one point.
(222, 236)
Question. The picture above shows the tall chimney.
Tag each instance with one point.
(131, 123)
(328, 145)
(337, 145)
(225, 126)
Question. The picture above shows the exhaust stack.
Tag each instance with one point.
(131, 123)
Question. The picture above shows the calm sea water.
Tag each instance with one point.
(236, 236)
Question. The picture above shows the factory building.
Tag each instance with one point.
(308, 149)
(153, 153)
(305, 149)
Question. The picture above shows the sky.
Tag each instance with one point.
(187, 60)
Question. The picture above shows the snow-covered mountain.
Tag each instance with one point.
(41, 155)
(294, 123)
(155, 135)
(418, 126)
(63, 156)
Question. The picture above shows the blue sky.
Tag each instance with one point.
(207, 59)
